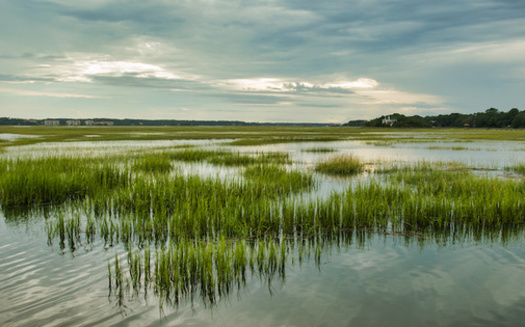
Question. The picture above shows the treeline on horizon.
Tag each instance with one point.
(490, 118)
(139, 122)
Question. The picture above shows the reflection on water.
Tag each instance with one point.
(367, 281)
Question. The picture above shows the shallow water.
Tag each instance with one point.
(385, 280)
(381, 281)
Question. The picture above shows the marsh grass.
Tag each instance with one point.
(256, 135)
(279, 140)
(520, 169)
(229, 158)
(188, 236)
(278, 180)
(54, 180)
(340, 165)
(320, 150)
(454, 148)
(211, 271)
(150, 163)
(382, 143)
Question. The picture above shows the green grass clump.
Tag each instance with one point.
(152, 163)
(55, 180)
(229, 158)
(278, 179)
(340, 165)
(216, 157)
(196, 155)
(520, 169)
(272, 158)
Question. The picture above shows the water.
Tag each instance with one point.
(385, 280)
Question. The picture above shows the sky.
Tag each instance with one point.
(260, 61)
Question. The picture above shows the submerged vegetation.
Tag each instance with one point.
(187, 236)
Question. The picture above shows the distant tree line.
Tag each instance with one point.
(140, 122)
(490, 118)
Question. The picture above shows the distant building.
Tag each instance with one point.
(389, 120)
(107, 123)
(50, 122)
(73, 122)
(88, 122)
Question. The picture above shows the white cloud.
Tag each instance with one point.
(82, 71)
(361, 91)
(259, 84)
(280, 85)
(81, 67)
(362, 83)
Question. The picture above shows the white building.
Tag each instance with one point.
(107, 123)
(73, 122)
(389, 120)
(50, 122)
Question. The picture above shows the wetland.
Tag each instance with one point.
(227, 226)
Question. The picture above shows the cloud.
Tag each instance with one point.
(503, 51)
(47, 94)
(365, 91)
(368, 57)
(21, 79)
(280, 85)
(79, 70)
